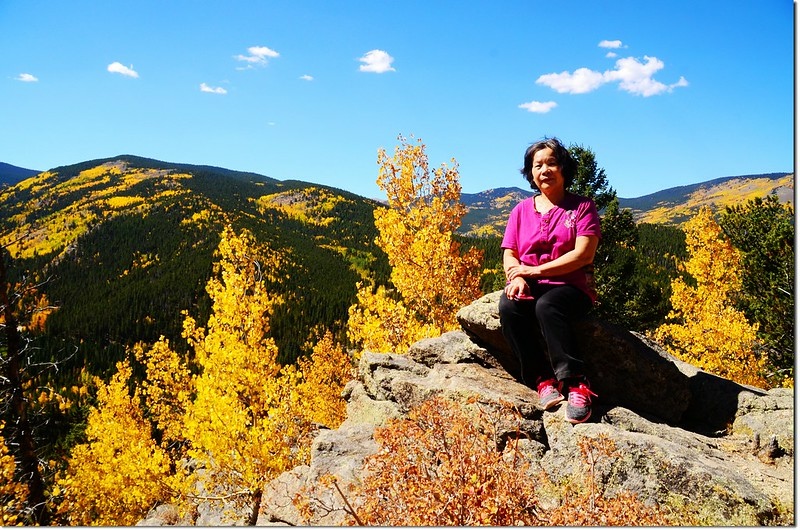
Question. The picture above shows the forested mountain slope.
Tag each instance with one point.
(675, 205)
(127, 244)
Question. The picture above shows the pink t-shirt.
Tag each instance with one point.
(540, 238)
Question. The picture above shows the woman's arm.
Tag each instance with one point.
(580, 256)
(517, 286)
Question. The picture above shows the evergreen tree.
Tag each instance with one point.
(590, 179)
(763, 230)
(625, 297)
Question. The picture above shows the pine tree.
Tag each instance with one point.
(763, 230)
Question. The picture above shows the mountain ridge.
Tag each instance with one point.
(131, 247)
(482, 217)
(11, 174)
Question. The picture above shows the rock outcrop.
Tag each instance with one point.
(683, 435)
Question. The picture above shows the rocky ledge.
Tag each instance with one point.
(681, 433)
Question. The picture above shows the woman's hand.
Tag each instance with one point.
(517, 288)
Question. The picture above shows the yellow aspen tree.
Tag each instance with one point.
(243, 423)
(119, 474)
(704, 328)
(380, 323)
(433, 278)
(167, 389)
(324, 376)
(12, 493)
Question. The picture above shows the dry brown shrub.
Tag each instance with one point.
(444, 466)
(441, 466)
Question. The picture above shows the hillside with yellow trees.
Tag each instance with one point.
(678, 204)
(180, 333)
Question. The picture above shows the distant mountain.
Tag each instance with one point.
(488, 210)
(675, 205)
(128, 244)
(12, 174)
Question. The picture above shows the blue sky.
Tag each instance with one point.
(665, 93)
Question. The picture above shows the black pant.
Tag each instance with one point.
(548, 316)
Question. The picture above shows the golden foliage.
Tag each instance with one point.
(121, 202)
(204, 218)
(242, 421)
(381, 324)
(240, 417)
(102, 195)
(167, 388)
(704, 328)
(116, 476)
(310, 205)
(432, 277)
(324, 376)
(12, 493)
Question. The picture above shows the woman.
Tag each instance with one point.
(548, 250)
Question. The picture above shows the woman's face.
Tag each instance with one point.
(546, 172)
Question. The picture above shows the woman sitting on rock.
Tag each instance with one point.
(548, 250)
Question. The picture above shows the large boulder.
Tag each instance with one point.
(628, 370)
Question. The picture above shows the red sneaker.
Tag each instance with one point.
(549, 393)
(579, 402)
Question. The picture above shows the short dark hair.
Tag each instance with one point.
(563, 157)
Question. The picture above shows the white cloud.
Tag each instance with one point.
(377, 61)
(614, 44)
(636, 77)
(27, 78)
(681, 82)
(212, 90)
(540, 107)
(119, 68)
(633, 76)
(580, 81)
(306, 77)
(257, 56)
